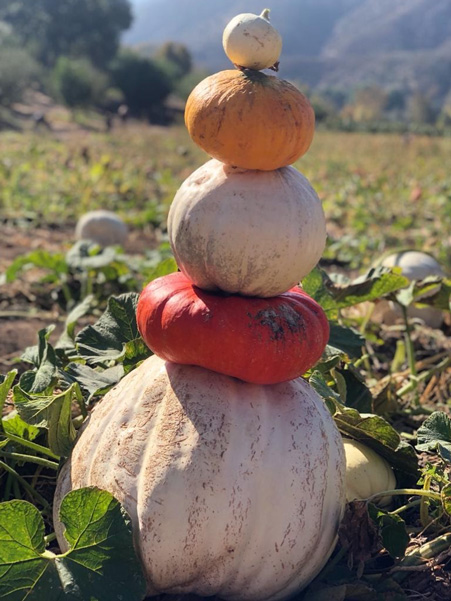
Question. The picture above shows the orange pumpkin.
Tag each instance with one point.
(250, 120)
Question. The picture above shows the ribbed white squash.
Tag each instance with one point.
(251, 41)
(367, 473)
(233, 489)
(255, 233)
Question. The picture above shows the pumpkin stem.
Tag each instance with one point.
(265, 14)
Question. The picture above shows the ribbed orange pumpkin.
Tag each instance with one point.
(250, 120)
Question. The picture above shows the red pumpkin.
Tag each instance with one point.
(259, 340)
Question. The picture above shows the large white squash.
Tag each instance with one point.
(255, 233)
(233, 489)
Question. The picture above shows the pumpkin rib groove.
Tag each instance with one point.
(256, 534)
(231, 582)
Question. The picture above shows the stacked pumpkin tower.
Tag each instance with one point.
(229, 463)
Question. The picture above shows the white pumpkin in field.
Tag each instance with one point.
(367, 473)
(105, 228)
(234, 489)
(415, 265)
(255, 233)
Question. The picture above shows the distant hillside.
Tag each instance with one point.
(199, 24)
(402, 44)
(392, 25)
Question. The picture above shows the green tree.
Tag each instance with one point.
(18, 69)
(322, 107)
(184, 86)
(75, 28)
(444, 118)
(78, 83)
(369, 104)
(420, 109)
(174, 59)
(396, 100)
(143, 83)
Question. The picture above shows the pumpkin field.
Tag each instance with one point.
(69, 334)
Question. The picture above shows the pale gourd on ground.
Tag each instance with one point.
(415, 265)
(250, 41)
(255, 233)
(105, 228)
(367, 473)
(234, 489)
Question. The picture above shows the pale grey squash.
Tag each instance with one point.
(233, 489)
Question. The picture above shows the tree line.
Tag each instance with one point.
(71, 50)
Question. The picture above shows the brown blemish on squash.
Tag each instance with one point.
(279, 320)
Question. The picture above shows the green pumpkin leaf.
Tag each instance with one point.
(14, 424)
(52, 412)
(107, 339)
(100, 564)
(346, 339)
(44, 359)
(135, 352)
(333, 296)
(434, 435)
(432, 291)
(85, 255)
(376, 283)
(358, 396)
(446, 498)
(441, 298)
(67, 339)
(392, 529)
(54, 262)
(91, 381)
(376, 433)
(162, 268)
(6, 383)
(318, 382)
(316, 284)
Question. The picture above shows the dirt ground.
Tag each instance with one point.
(24, 307)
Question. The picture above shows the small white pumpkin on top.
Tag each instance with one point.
(250, 41)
